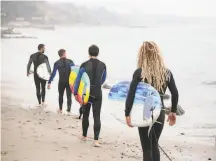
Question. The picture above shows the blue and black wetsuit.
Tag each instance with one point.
(63, 66)
(37, 59)
(96, 71)
(150, 143)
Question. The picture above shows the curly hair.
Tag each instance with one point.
(151, 62)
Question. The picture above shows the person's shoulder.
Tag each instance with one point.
(71, 61)
(169, 74)
(137, 73)
(168, 71)
(102, 63)
(84, 63)
(33, 55)
(45, 56)
(57, 62)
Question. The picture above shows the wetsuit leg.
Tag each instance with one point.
(96, 109)
(156, 132)
(43, 86)
(80, 112)
(69, 100)
(85, 120)
(145, 143)
(61, 89)
(37, 85)
(150, 143)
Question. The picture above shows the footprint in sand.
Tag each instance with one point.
(20, 127)
(72, 127)
(9, 119)
(65, 148)
(3, 128)
(4, 153)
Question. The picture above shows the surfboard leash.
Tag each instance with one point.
(164, 152)
(154, 134)
(161, 147)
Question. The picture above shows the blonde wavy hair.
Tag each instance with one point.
(151, 62)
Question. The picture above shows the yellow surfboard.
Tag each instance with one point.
(84, 86)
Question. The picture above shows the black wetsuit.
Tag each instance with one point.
(37, 59)
(63, 66)
(150, 143)
(96, 71)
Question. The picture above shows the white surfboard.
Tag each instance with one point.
(43, 72)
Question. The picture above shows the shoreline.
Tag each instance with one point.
(29, 132)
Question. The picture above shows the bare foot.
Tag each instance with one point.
(39, 105)
(44, 104)
(96, 143)
(68, 113)
(83, 138)
(77, 117)
(59, 111)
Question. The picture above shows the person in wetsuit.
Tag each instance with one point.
(63, 65)
(151, 69)
(37, 59)
(96, 71)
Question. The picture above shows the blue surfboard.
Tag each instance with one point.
(147, 103)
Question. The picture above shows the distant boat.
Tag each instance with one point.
(138, 26)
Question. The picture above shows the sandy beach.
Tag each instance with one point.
(29, 133)
(37, 134)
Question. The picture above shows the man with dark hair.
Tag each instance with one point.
(37, 59)
(96, 71)
(63, 65)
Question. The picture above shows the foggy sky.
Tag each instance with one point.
(174, 7)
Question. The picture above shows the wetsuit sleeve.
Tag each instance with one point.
(131, 92)
(48, 65)
(104, 75)
(174, 92)
(71, 63)
(78, 79)
(29, 64)
(55, 68)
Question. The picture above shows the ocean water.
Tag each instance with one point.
(189, 52)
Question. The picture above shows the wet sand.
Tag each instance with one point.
(37, 134)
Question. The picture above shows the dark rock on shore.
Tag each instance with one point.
(106, 86)
(9, 31)
(166, 96)
(180, 111)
